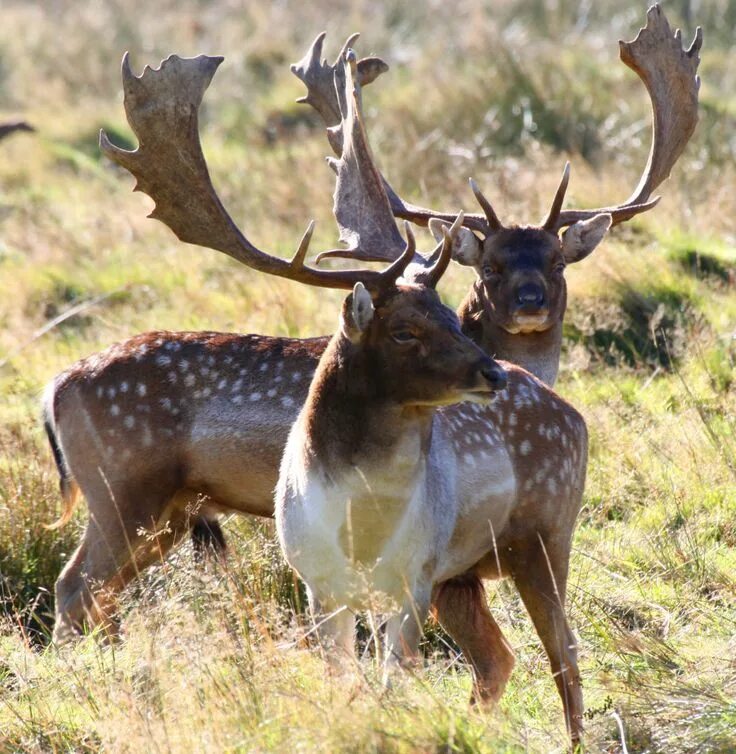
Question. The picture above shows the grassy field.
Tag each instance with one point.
(214, 659)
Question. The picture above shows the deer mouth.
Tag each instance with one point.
(522, 324)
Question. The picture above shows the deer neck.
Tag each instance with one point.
(537, 352)
(351, 422)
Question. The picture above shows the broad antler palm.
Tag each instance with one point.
(668, 72)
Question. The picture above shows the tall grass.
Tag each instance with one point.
(218, 658)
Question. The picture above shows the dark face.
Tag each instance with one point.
(522, 270)
(422, 356)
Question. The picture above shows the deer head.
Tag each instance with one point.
(521, 268)
(412, 350)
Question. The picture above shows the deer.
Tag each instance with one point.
(214, 399)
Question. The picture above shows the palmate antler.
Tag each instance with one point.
(162, 108)
(667, 71)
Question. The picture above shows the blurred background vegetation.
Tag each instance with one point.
(503, 91)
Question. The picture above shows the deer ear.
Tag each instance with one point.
(466, 249)
(357, 312)
(583, 236)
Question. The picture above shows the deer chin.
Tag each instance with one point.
(467, 395)
(523, 324)
(483, 397)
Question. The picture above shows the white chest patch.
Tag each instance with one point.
(357, 541)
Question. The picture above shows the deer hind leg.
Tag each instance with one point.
(461, 607)
(334, 626)
(119, 542)
(542, 583)
(208, 539)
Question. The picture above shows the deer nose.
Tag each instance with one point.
(495, 375)
(530, 295)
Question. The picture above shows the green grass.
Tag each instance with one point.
(216, 659)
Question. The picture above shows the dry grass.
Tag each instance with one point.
(505, 91)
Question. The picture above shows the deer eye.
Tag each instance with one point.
(403, 336)
(559, 268)
(489, 271)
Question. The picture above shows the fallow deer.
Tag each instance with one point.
(166, 419)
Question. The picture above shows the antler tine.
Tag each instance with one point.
(319, 78)
(550, 222)
(394, 271)
(670, 76)
(443, 254)
(493, 223)
(162, 108)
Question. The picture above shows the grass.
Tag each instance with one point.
(216, 659)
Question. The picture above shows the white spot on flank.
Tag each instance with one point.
(172, 377)
(271, 392)
(123, 387)
(552, 486)
(222, 384)
(512, 419)
(468, 458)
(163, 360)
(114, 409)
(277, 378)
(141, 389)
(111, 392)
(296, 376)
(129, 422)
(237, 385)
(255, 396)
(206, 392)
(183, 365)
(100, 391)
(189, 380)
(264, 367)
(287, 401)
(237, 399)
(525, 447)
(165, 404)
